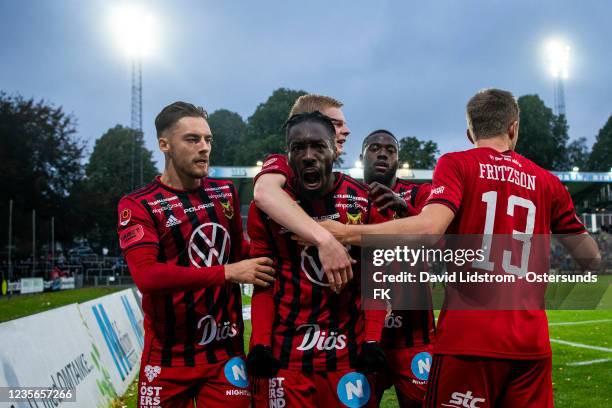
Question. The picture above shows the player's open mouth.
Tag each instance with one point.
(311, 178)
(381, 166)
(201, 163)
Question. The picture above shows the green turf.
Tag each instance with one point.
(25, 305)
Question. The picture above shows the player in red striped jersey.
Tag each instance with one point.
(408, 334)
(183, 242)
(305, 336)
(492, 358)
(270, 196)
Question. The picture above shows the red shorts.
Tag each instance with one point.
(320, 389)
(408, 371)
(480, 382)
(221, 384)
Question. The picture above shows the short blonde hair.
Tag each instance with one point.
(312, 102)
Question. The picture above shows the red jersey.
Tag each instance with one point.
(409, 328)
(201, 228)
(494, 192)
(309, 327)
(276, 163)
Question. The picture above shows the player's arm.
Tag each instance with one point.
(575, 238)
(432, 222)
(270, 197)
(584, 249)
(139, 241)
(260, 361)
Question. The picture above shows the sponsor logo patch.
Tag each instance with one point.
(420, 365)
(125, 217)
(151, 372)
(130, 235)
(354, 390)
(461, 400)
(172, 221)
(235, 372)
(269, 162)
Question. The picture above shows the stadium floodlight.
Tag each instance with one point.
(132, 28)
(575, 169)
(558, 59)
(358, 164)
(405, 165)
(259, 163)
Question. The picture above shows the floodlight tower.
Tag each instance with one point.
(558, 55)
(133, 28)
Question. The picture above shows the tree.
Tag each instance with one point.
(542, 135)
(40, 161)
(417, 153)
(601, 155)
(109, 176)
(228, 131)
(577, 154)
(264, 133)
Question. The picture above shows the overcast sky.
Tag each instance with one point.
(406, 66)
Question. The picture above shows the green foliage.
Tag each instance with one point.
(109, 176)
(40, 161)
(417, 153)
(542, 135)
(577, 153)
(228, 131)
(264, 134)
(601, 156)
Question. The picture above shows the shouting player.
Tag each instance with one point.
(182, 238)
(491, 358)
(274, 201)
(306, 338)
(408, 335)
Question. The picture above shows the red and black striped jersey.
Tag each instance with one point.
(202, 229)
(409, 328)
(309, 327)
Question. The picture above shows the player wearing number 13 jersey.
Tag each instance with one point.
(491, 358)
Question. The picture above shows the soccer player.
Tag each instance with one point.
(306, 337)
(274, 201)
(408, 334)
(491, 358)
(182, 239)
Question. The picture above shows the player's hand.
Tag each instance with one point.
(258, 271)
(336, 262)
(337, 229)
(383, 197)
(371, 359)
(261, 363)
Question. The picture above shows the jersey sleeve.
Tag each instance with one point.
(135, 226)
(275, 163)
(564, 219)
(446, 185)
(241, 249)
(258, 234)
(262, 302)
(419, 195)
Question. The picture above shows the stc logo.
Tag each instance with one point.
(213, 331)
(209, 245)
(464, 400)
(315, 338)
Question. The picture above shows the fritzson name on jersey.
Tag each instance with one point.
(507, 174)
(479, 277)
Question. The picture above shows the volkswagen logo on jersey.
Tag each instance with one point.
(209, 245)
(420, 366)
(354, 390)
(311, 266)
(235, 372)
